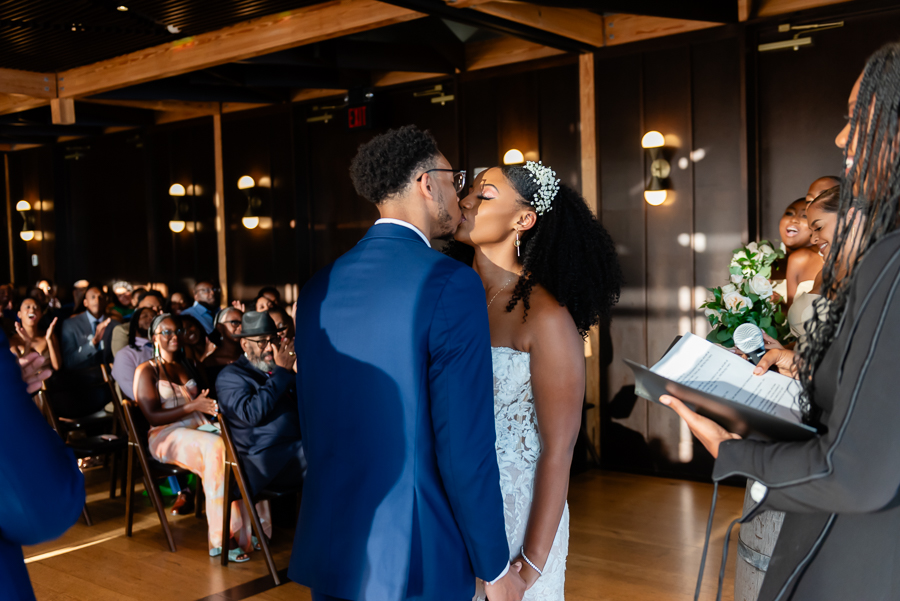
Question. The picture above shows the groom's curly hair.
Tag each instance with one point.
(568, 252)
(384, 165)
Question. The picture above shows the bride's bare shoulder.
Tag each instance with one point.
(548, 322)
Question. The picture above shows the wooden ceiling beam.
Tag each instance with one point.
(15, 103)
(576, 24)
(503, 51)
(623, 29)
(466, 3)
(313, 93)
(237, 42)
(771, 8)
(29, 83)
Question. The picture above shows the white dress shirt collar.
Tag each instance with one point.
(407, 225)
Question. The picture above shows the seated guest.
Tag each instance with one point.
(122, 296)
(257, 394)
(152, 299)
(271, 293)
(30, 337)
(137, 351)
(283, 322)
(83, 335)
(228, 326)
(135, 294)
(197, 345)
(263, 303)
(205, 305)
(170, 397)
(176, 304)
(820, 185)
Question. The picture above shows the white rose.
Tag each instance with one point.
(739, 255)
(760, 285)
(752, 247)
(766, 249)
(709, 312)
(736, 302)
(729, 288)
(737, 278)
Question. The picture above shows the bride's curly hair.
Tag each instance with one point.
(567, 252)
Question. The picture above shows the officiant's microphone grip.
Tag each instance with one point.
(749, 340)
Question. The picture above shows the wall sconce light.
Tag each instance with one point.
(176, 224)
(513, 157)
(24, 209)
(657, 190)
(247, 185)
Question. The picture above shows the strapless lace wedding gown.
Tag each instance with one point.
(518, 449)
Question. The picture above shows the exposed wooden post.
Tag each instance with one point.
(62, 111)
(590, 192)
(220, 207)
(9, 227)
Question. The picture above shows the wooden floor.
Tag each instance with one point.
(632, 538)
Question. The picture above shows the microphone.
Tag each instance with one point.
(749, 340)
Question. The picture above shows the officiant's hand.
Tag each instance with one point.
(781, 358)
(706, 430)
(509, 588)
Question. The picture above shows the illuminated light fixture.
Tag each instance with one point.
(24, 209)
(653, 139)
(513, 157)
(655, 197)
(656, 191)
(247, 185)
(27, 235)
(23, 205)
(177, 224)
(122, 8)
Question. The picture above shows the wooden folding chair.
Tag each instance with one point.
(233, 465)
(151, 471)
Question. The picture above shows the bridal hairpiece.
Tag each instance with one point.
(548, 186)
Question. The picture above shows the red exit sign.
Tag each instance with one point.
(358, 116)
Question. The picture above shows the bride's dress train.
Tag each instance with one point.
(518, 449)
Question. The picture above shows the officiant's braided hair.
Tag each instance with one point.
(872, 188)
(567, 252)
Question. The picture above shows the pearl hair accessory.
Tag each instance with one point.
(548, 186)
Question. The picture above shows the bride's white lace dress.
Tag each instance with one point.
(518, 449)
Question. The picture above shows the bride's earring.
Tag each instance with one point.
(518, 244)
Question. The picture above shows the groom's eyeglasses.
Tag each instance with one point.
(459, 177)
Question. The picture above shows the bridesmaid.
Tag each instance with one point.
(28, 337)
(170, 397)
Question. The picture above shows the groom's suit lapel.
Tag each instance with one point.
(391, 230)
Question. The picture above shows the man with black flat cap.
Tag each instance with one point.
(257, 395)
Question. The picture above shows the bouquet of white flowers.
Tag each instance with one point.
(749, 298)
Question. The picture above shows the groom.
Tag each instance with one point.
(402, 495)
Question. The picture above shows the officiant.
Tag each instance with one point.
(839, 490)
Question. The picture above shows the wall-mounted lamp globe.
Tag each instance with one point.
(27, 235)
(247, 185)
(250, 221)
(23, 205)
(246, 182)
(177, 224)
(656, 191)
(176, 190)
(513, 157)
(653, 139)
(655, 197)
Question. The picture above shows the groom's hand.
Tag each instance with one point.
(509, 588)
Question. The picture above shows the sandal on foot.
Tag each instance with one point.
(238, 555)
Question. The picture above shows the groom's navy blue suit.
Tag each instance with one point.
(402, 497)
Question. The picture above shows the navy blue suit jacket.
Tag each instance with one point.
(262, 413)
(402, 494)
(41, 488)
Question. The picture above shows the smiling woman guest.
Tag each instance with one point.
(802, 262)
(28, 336)
(170, 397)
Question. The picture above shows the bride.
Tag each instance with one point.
(550, 272)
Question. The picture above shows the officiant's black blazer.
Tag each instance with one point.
(841, 534)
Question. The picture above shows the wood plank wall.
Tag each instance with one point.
(691, 94)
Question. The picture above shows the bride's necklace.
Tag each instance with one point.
(499, 291)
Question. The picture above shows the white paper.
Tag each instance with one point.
(697, 363)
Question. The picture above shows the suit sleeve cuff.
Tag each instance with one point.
(502, 574)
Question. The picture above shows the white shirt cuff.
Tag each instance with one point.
(502, 574)
(758, 491)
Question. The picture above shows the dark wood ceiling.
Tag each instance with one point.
(55, 35)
